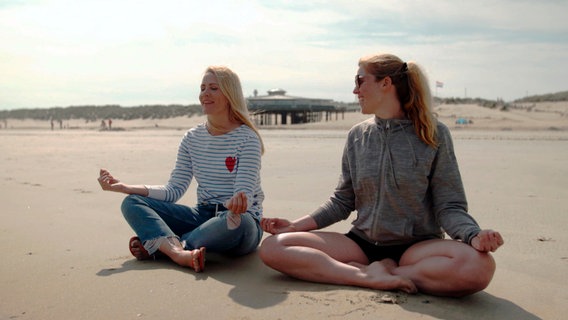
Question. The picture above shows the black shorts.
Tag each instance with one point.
(378, 253)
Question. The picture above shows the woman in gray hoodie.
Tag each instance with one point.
(400, 175)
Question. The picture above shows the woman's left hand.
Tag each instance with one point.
(487, 240)
(238, 203)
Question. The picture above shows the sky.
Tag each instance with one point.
(61, 53)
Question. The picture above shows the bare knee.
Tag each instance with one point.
(448, 268)
(477, 274)
(269, 248)
(487, 268)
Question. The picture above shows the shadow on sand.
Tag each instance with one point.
(258, 287)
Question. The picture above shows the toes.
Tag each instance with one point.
(198, 259)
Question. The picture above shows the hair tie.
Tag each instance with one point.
(404, 67)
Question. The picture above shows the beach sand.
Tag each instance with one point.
(65, 252)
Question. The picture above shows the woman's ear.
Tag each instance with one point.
(387, 81)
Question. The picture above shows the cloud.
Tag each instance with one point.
(61, 52)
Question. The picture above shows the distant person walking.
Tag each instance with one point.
(400, 175)
(224, 156)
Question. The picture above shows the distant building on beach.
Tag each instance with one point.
(278, 108)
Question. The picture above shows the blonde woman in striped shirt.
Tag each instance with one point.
(223, 156)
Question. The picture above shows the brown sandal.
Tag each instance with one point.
(135, 243)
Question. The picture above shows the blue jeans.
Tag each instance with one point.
(201, 226)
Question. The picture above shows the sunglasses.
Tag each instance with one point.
(359, 81)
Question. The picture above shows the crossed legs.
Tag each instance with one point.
(328, 258)
(438, 267)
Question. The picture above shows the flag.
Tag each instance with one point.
(439, 84)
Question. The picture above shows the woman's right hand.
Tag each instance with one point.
(276, 225)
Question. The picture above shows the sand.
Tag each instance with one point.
(65, 252)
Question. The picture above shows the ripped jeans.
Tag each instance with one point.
(200, 226)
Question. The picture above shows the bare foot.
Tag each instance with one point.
(389, 264)
(194, 259)
(380, 278)
(173, 248)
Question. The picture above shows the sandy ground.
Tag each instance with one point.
(65, 250)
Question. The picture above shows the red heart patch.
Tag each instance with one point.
(230, 163)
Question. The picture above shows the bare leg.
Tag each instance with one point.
(327, 257)
(446, 268)
(194, 259)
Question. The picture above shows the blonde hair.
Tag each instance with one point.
(230, 86)
(412, 90)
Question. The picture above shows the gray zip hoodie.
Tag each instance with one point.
(403, 190)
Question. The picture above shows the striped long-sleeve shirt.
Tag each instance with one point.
(222, 166)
